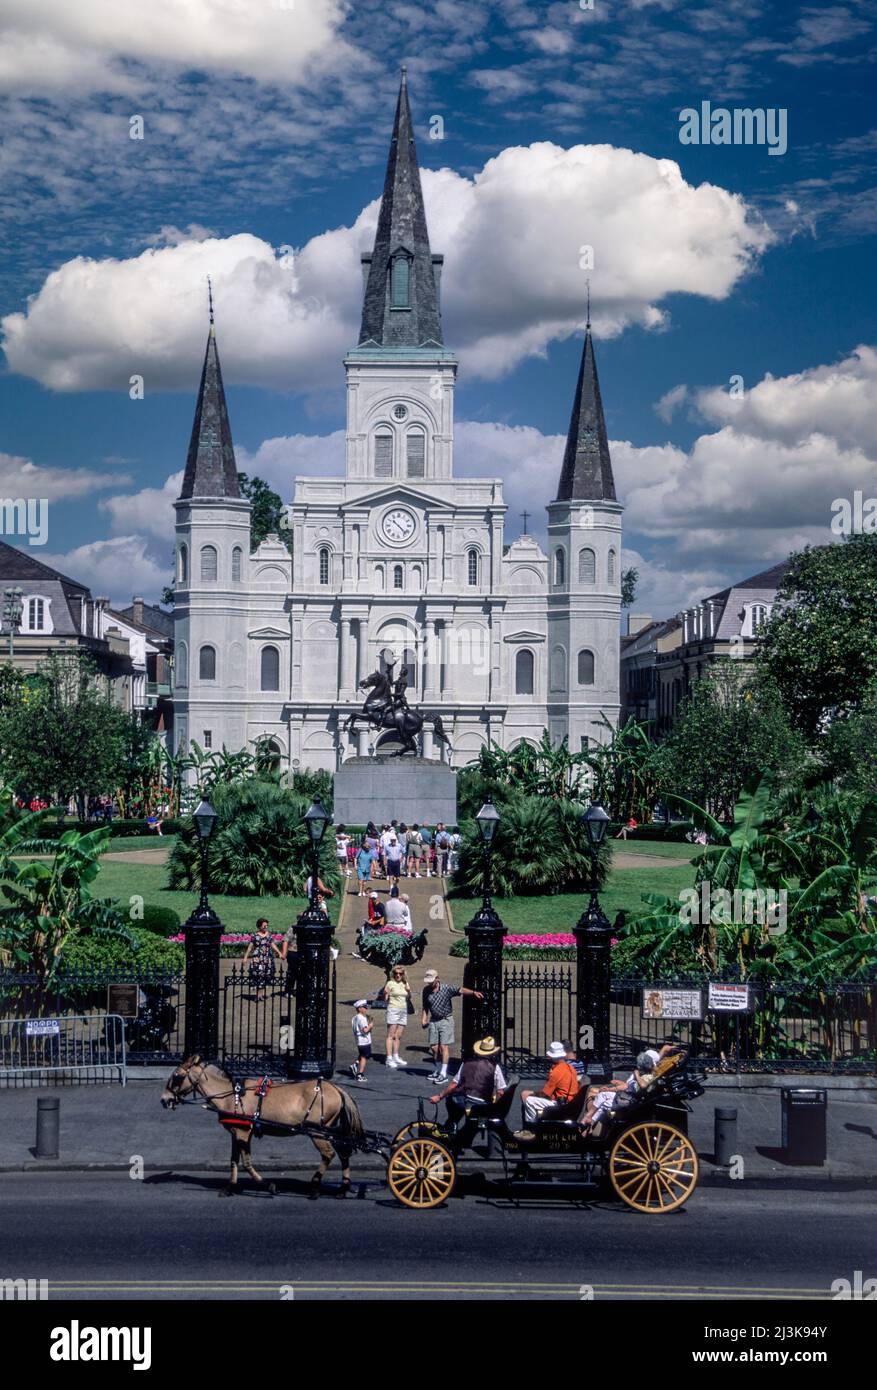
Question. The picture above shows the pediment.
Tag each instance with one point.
(396, 491)
(525, 636)
(276, 633)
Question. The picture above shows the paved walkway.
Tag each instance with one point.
(110, 1126)
(356, 979)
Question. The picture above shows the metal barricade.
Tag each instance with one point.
(69, 1047)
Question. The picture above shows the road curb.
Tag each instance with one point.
(801, 1179)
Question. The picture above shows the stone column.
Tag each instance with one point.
(362, 650)
(346, 691)
(363, 736)
(432, 665)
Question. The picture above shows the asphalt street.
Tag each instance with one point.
(105, 1235)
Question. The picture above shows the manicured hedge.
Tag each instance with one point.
(53, 830)
(114, 952)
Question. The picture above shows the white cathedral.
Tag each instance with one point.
(399, 560)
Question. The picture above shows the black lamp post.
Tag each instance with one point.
(313, 938)
(483, 972)
(202, 935)
(593, 935)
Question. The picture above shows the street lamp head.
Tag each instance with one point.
(595, 821)
(316, 819)
(205, 819)
(487, 820)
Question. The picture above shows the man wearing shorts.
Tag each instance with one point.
(438, 1017)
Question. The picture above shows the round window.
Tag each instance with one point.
(400, 412)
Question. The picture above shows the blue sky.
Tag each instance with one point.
(265, 131)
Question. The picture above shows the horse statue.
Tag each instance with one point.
(386, 708)
(328, 1116)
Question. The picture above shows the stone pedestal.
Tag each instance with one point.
(405, 789)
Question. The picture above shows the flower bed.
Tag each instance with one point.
(232, 945)
(532, 946)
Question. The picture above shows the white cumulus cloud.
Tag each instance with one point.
(118, 568)
(87, 45)
(517, 239)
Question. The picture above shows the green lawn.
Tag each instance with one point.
(666, 849)
(560, 912)
(121, 881)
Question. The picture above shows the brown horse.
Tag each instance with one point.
(282, 1103)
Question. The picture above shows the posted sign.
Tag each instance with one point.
(672, 1003)
(42, 1027)
(729, 999)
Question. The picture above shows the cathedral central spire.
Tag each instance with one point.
(401, 303)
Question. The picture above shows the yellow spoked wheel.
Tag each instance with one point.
(421, 1173)
(416, 1130)
(653, 1167)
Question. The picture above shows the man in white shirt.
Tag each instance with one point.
(398, 913)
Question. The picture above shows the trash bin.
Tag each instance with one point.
(804, 1128)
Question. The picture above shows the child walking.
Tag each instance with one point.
(362, 1029)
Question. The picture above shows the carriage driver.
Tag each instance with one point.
(478, 1082)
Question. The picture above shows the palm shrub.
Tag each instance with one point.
(45, 904)
(259, 847)
(541, 847)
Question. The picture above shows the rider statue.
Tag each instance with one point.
(386, 708)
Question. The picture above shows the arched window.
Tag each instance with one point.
(524, 672)
(586, 668)
(207, 664)
(184, 564)
(472, 567)
(610, 567)
(324, 564)
(208, 562)
(398, 577)
(237, 556)
(400, 287)
(181, 665)
(383, 454)
(587, 566)
(380, 577)
(270, 668)
(559, 566)
(415, 453)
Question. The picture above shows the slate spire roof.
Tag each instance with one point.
(402, 233)
(211, 470)
(586, 474)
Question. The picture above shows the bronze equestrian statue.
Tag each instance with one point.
(386, 708)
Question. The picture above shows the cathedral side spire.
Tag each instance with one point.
(401, 303)
(586, 474)
(211, 470)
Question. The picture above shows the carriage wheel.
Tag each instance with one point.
(653, 1167)
(415, 1130)
(421, 1173)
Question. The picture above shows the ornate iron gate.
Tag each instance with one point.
(258, 1021)
(538, 1007)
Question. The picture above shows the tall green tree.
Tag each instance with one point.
(268, 514)
(65, 738)
(731, 725)
(820, 645)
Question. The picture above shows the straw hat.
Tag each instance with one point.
(486, 1047)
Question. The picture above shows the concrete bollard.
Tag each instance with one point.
(725, 1145)
(48, 1126)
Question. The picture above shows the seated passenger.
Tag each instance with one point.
(479, 1081)
(602, 1100)
(561, 1086)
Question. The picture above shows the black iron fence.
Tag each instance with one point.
(785, 1026)
(256, 1019)
(538, 1007)
(151, 1001)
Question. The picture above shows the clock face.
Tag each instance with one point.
(398, 525)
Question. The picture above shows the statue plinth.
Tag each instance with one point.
(387, 788)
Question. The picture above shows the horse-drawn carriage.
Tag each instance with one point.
(641, 1147)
